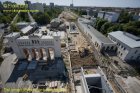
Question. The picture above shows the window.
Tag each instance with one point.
(112, 47)
(33, 41)
(136, 51)
(132, 57)
(124, 48)
(38, 41)
(119, 52)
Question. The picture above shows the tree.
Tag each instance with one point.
(130, 29)
(13, 28)
(125, 17)
(105, 26)
(99, 23)
(23, 17)
(42, 18)
(6, 19)
(115, 27)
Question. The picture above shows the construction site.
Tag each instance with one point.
(81, 53)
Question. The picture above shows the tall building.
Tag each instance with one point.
(35, 6)
(101, 14)
(91, 12)
(128, 45)
(111, 16)
(1, 6)
(28, 3)
(51, 5)
(71, 5)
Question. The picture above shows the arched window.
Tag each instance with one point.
(33, 41)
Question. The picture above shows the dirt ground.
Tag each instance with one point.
(80, 42)
(78, 61)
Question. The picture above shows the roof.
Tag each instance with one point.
(24, 37)
(97, 34)
(84, 20)
(56, 20)
(101, 11)
(22, 23)
(26, 29)
(13, 34)
(46, 37)
(126, 38)
(112, 13)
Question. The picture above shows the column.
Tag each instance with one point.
(30, 54)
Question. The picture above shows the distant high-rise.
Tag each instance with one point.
(44, 4)
(51, 5)
(1, 6)
(38, 6)
(71, 5)
(28, 3)
(35, 6)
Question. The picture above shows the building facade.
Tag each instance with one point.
(128, 45)
(96, 82)
(35, 6)
(101, 14)
(111, 16)
(51, 5)
(100, 42)
(35, 46)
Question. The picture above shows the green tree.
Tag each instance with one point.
(99, 23)
(115, 27)
(42, 18)
(131, 29)
(13, 28)
(125, 17)
(6, 19)
(105, 26)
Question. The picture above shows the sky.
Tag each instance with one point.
(103, 3)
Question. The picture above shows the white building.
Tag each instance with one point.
(36, 46)
(101, 14)
(95, 82)
(21, 25)
(37, 6)
(27, 30)
(111, 16)
(100, 42)
(128, 45)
